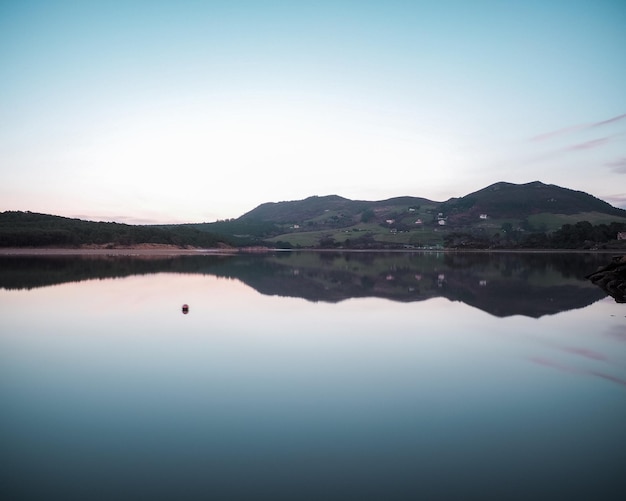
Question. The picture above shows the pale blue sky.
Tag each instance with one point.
(188, 111)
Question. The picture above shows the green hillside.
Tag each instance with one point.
(501, 209)
(519, 201)
(30, 229)
(503, 215)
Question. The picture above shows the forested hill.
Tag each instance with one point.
(316, 207)
(502, 215)
(523, 200)
(499, 200)
(30, 229)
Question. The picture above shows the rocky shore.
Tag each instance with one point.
(612, 278)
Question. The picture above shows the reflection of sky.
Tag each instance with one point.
(109, 376)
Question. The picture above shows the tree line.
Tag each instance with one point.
(27, 229)
(581, 235)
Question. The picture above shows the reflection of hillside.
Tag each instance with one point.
(500, 284)
(28, 272)
(520, 284)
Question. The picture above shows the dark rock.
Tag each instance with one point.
(612, 278)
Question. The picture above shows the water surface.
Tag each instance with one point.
(311, 376)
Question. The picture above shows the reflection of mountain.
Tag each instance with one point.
(501, 284)
(532, 285)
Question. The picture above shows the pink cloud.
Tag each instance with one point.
(587, 145)
(574, 128)
(610, 120)
(559, 132)
(618, 200)
(618, 165)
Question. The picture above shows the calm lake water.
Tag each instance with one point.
(311, 376)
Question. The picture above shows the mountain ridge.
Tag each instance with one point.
(499, 215)
(480, 196)
(501, 208)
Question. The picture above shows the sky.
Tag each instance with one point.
(194, 111)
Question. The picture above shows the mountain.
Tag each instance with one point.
(502, 208)
(523, 200)
(503, 215)
(300, 210)
(500, 199)
(315, 207)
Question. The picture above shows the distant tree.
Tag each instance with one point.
(328, 242)
(367, 215)
(536, 241)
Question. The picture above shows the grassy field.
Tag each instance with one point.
(417, 237)
(554, 221)
(427, 236)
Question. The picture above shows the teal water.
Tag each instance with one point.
(306, 376)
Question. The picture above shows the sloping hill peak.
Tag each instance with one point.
(502, 199)
(296, 210)
(521, 200)
(503, 185)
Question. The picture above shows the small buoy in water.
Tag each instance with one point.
(185, 309)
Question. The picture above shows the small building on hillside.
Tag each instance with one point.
(621, 235)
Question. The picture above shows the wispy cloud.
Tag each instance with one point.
(618, 200)
(609, 121)
(618, 165)
(587, 145)
(552, 153)
(574, 128)
(556, 133)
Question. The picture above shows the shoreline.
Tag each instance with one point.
(166, 250)
(121, 251)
